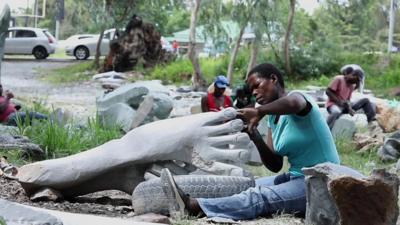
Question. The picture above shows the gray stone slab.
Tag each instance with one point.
(340, 195)
(14, 213)
(119, 113)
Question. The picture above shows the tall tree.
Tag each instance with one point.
(198, 79)
(108, 14)
(255, 46)
(288, 67)
(242, 13)
(356, 25)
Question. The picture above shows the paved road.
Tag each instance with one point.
(21, 77)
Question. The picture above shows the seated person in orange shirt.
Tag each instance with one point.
(216, 99)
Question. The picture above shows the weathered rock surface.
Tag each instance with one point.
(344, 127)
(372, 138)
(46, 194)
(14, 213)
(390, 150)
(110, 80)
(340, 195)
(10, 142)
(120, 106)
(152, 218)
(388, 117)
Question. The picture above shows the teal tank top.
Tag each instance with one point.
(305, 140)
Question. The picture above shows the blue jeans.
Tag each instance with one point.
(275, 194)
(22, 116)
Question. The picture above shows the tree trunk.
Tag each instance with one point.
(288, 68)
(276, 54)
(234, 54)
(254, 53)
(98, 49)
(198, 80)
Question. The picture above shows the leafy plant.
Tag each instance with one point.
(2, 221)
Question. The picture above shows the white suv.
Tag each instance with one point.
(28, 40)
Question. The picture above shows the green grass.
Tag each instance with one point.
(322, 81)
(66, 139)
(362, 162)
(60, 54)
(80, 71)
(58, 138)
(2, 221)
(16, 157)
(181, 70)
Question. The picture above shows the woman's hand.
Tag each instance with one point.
(250, 116)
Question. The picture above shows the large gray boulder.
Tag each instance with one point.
(340, 195)
(119, 114)
(14, 142)
(113, 107)
(344, 127)
(4, 22)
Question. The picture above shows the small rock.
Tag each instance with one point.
(152, 218)
(398, 166)
(178, 97)
(184, 89)
(221, 220)
(390, 150)
(124, 209)
(46, 194)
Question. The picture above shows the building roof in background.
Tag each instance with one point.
(230, 27)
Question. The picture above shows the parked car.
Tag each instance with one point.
(29, 40)
(72, 39)
(84, 47)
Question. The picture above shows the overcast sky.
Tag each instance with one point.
(308, 5)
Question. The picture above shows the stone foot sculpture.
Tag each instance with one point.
(121, 164)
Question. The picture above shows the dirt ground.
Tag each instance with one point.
(108, 203)
(21, 76)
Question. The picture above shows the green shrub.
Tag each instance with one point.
(179, 71)
(314, 64)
